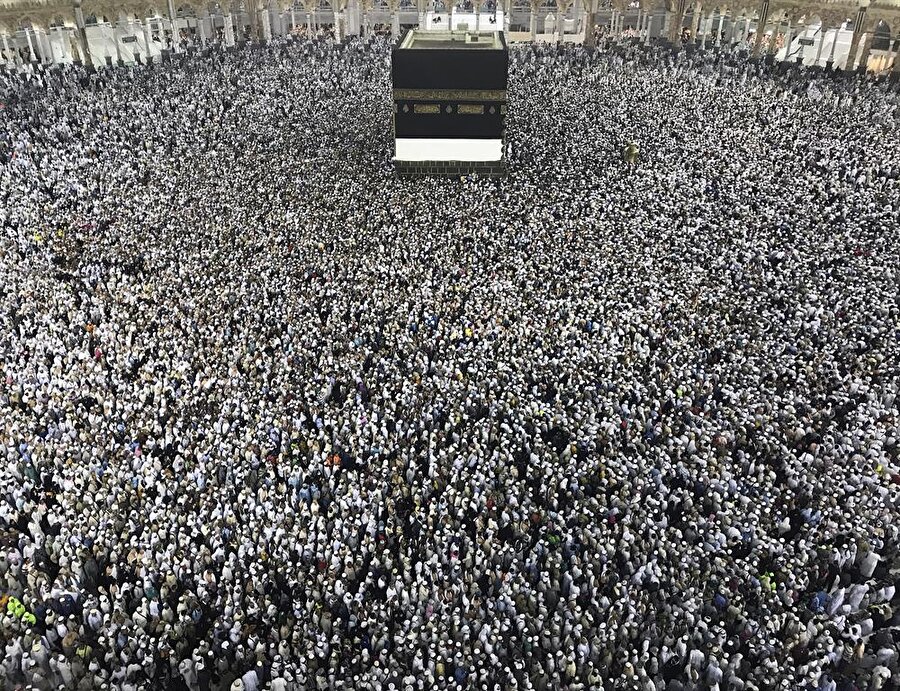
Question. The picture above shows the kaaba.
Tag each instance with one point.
(450, 103)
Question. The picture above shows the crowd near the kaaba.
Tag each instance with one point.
(273, 418)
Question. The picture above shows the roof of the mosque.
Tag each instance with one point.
(456, 40)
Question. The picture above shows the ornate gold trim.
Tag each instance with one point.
(470, 109)
(496, 95)
(427, 108)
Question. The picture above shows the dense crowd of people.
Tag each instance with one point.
(273, 418)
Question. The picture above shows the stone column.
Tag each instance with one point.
(588, 21)
(760, 27)
(266, 24)
(854, 41)
(706, 28)
(309, 29)
(6, 50)
(229, 29)
(772, 43)
(49, 32)
(43, 41)
(863, 63)
(395, 22)
(354, 21)
(66, 43)
(532, 22)
(822, 32)
(802, 32)
(830, 61)
(787, 39)
(676, 27)
(116, 42)
(32, 56)
(38, 48)
(201, 29)
(719, 30)
(81, 33)
(896, 68)
(146, 32)
(173, 22)
(560, 23)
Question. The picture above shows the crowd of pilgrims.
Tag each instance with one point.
(273, 418)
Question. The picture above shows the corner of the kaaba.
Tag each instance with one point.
(450, 103)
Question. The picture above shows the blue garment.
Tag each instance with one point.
(819, 602)
(460, 674)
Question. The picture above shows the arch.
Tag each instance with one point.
(128, 9)
(97, 8)
(104, 13)
(810, 21)
(143, 12)
(26, 21)
(204, 8)
(150, 12)
(835, 19)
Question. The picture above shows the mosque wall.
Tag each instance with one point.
(61, 31)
